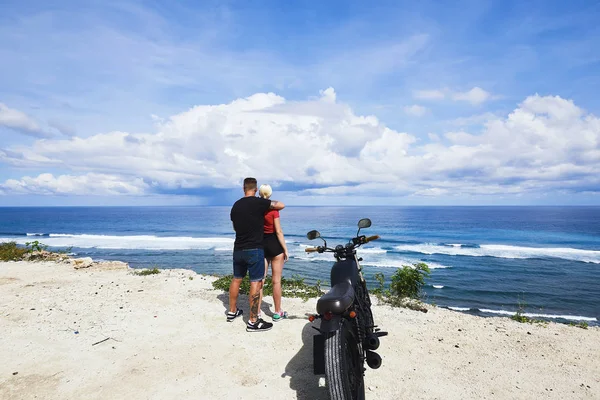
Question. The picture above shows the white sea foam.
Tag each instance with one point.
(504, 251)
(391, 263)
(459, 308)
(35, 234)
(530, 315)
(375, 257)
(534, 315)
(146, 242)
(371, 250)
(438, 286)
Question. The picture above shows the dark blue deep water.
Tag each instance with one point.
(484, 260)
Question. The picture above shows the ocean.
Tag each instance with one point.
(484, 260)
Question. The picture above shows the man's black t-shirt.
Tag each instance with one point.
(248, 217)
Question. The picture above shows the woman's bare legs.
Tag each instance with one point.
(263, 285)
(276, 270)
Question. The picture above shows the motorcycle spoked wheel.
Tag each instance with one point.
(344, 365)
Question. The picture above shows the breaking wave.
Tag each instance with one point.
(530, 315)
(144, 242)
(502, 251)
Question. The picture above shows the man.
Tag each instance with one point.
(247, 215)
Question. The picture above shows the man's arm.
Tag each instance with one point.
(277, 205)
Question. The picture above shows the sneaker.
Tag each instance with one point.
(279, 316)
(258, 326)
(231, 316)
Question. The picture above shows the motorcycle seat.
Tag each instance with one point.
(337, 300)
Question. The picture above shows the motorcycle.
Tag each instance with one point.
(347, 334)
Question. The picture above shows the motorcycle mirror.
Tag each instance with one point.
(364, 223)
(313, 235)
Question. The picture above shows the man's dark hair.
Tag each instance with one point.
(249, 184)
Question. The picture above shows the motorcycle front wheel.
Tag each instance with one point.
(343, 364)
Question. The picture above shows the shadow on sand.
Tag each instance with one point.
(243, 304)
(300, 369)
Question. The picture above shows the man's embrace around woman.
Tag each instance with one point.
(248, 218)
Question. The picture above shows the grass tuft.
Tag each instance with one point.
(582, 325)
(520, 317)
(9, 251)
(290, 287)
(145, 272)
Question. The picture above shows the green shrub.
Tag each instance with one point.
(520, 317)
(582, 325)
(409, 281)
(145, 272)
(395, 296)
(290, 287)
(35, 246)
(9, 251)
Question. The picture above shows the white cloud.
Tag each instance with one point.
(19, 121)
(434, 192)
(88, 184)
(415, 110)
(473, 119)
(545, 144)
(434, 137)
(25, 124)
(475, 96)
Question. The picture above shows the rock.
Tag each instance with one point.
(85, 262)
(111, 265)
(45, 255)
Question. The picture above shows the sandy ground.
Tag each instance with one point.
(169, 340)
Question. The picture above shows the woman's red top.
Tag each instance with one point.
(270, 221)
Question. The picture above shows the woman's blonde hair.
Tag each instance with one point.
(265, 191)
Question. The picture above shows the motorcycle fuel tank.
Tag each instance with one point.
(344, 271)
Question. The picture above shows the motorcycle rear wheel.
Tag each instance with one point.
(344, 365)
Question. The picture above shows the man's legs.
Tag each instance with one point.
(239, 272)
(234, 291)
(255, 288)
(256, 272)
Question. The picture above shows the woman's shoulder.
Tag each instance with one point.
(272, 213)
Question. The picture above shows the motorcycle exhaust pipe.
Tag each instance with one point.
(373, 360)
(372, 342)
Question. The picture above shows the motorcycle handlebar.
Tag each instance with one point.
(356, 242)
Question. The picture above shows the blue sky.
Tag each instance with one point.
(475, 102)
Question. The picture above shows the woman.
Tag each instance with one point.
(276, 252)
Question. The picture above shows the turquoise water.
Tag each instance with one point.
(484, 260)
